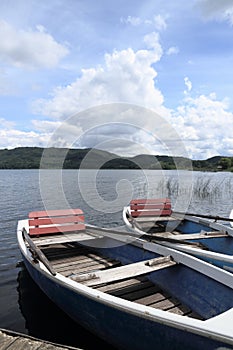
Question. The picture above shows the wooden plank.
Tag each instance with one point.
(141, 292)
(65, 256)
(150, 200)
(126, 286)
(59, 212)
(90, 268)
(62, 238)
(152, 299)
(126, 271)
(69, 260)
(73, 254)
(10, 340)
(6, 341)
(56, 229)
(158, 212)
(75, 263)
(64, 248)
(166, 304)
(180, 310)
(155, 218)
(150, 206)
(23, 344)
(56, 220)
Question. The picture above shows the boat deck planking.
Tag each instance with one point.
(72, 260)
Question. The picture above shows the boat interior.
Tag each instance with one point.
(88, 266)
(155, 216)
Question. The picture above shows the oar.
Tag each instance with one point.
(146, 236)
(213, 217)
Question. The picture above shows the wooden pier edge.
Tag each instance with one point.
(11, 340)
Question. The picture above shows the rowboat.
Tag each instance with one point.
(204, 236)
(132, 293)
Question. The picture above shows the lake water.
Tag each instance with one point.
(101, 195)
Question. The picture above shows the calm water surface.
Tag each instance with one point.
(101, 195)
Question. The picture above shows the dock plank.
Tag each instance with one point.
(10, 340)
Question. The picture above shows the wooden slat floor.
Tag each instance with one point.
(73, 259)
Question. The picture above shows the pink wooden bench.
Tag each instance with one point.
(55, 221)
(150, 207)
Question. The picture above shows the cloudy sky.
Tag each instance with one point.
(62, 58)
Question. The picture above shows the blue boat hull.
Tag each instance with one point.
(116, 326)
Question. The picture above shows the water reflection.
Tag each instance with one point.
(44, 320)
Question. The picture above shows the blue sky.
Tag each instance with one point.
(59, 58)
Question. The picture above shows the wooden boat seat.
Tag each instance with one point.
(123, 272)
(55, 221)
(69, 237)
(158, 207)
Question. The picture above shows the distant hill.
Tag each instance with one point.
(54, 158)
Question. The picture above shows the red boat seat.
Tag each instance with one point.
(55, 221)
(150, 207)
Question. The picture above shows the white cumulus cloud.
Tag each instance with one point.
(126, 76)
(29, 49)
(11, 138)
(202, 122)
(205, 124)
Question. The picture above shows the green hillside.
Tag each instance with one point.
(55, 158)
